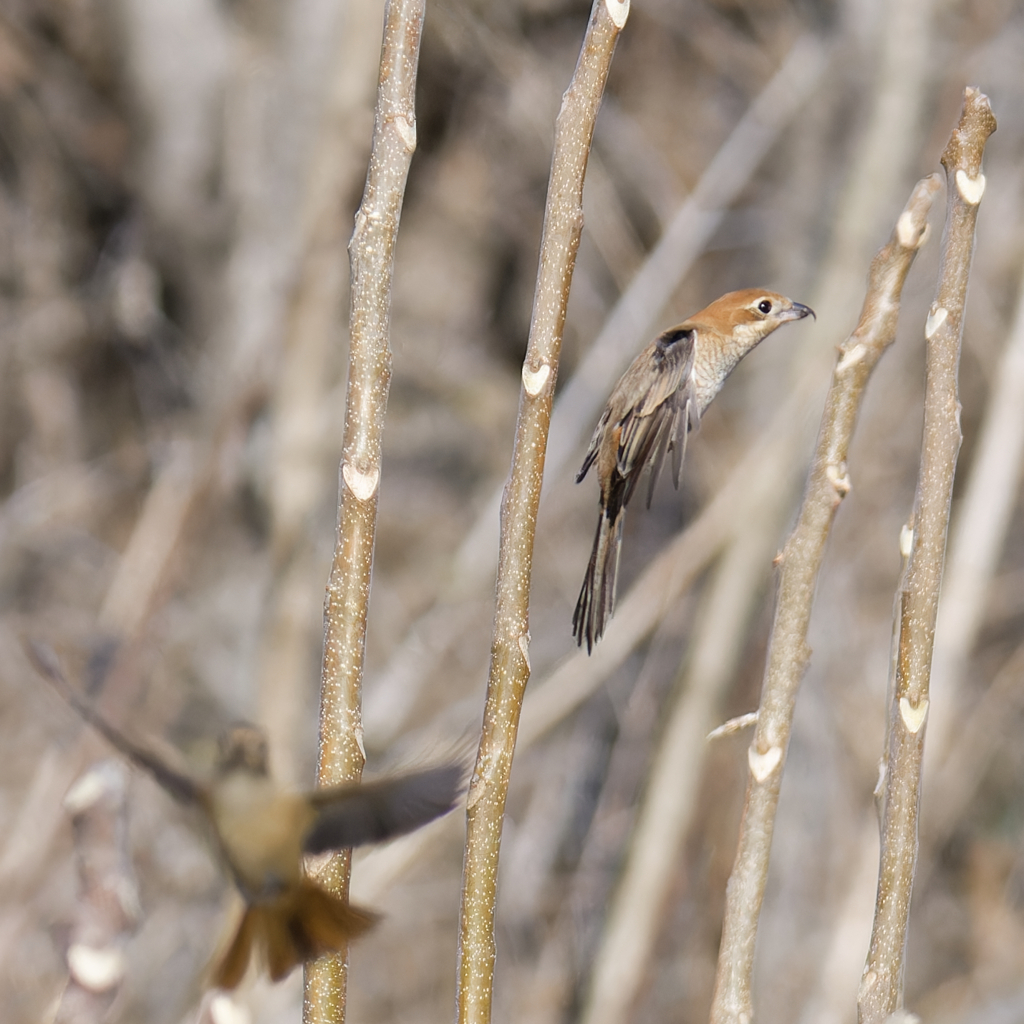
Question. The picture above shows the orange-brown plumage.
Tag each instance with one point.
(302, 923)
(263, 831)
(656, 402)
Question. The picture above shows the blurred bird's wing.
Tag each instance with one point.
(351, 815)
(179, 785)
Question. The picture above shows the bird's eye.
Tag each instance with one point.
(764, 306)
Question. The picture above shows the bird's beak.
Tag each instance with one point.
(797, 312)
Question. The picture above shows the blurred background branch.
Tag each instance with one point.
(108, 900)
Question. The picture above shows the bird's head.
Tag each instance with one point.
(242, 747)
(738, 321)
(756, 306)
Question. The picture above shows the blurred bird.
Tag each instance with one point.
(656, 402)
(263, 831)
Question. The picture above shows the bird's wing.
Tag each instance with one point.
(689, 420)
(673, 423)
(351, 815)
(653, 424)
(179, 785)
(595, 445)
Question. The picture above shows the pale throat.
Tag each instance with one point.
(713, 361)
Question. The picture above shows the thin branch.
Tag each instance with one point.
(788, 652)
(371, 257)
(156, 536)
(979, 533)
(510, 667)
(962, 754)
(980, 736)
(671, 793)
(881, 990)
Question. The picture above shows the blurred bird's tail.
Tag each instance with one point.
(597, 595)
(303, 923)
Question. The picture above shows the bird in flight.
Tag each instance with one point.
(656, 402)
(262, 831)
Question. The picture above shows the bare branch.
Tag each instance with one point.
(881, 990)
(371, 257)
(788, 651)
(984, 515)
(671, 793)
(510, 663)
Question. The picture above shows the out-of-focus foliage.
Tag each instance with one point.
(177, 182)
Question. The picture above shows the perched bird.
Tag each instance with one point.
(656, 402)
(263, 831)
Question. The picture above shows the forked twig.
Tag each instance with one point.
(788, 652)
(510, 665)
(881, 989)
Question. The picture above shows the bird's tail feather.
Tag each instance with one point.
(231, 967)
(597, 596)
(304, 923)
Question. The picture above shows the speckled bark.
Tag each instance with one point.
(510, 664)
(881, 989)
(371, 261)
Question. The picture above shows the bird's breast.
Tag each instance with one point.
(260, 829)
(713, 360)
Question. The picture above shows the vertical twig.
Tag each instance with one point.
(371, 260)
(510, 666)
(671, 794)
(881, 990)
(788, 652)
(984, 515)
